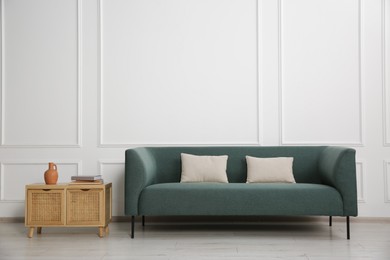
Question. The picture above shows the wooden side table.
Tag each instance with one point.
(68, 205)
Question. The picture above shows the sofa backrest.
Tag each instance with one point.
(305, 165)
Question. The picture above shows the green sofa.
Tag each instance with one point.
(325, 184)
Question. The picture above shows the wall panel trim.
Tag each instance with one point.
(361, 184)
(103, 144)
(259, 36)
(282, 138)
(385, 81)
(103, 162)
(31, 162)
(386, 177)
(78, 144)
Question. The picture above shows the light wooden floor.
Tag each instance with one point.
(216, 241)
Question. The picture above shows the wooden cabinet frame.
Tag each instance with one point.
(68, 205)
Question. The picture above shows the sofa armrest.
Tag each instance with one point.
(140, 171)
(337, 167)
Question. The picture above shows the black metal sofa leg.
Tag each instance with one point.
(132, 227)
(143, 221)
(330, 221)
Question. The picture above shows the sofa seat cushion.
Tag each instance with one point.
(240, 199)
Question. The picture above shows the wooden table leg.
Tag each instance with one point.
(101, 231)
(30, 232)
(107, 230)
(39, 230)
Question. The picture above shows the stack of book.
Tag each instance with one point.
(87, 179)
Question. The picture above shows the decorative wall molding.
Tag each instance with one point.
(103, 144)
(259, 37)
(2, 82)
(361, 183)
(100, 75)
(3, 144)
(32, 162)
(385, 81)
(79, 72)
(282, 138)
(103, 162)
(386, 177)
(117, 180)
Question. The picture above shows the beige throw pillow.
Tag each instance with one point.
(277, 169)
(203, 168)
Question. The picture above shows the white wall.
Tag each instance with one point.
(82, 80)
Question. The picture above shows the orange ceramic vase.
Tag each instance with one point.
(51, 175)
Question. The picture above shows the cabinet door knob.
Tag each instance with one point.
(46, 189)
(85, 189)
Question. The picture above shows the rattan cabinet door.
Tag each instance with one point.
(45, 207)
(85, 207)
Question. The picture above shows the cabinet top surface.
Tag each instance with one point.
(67, 186)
